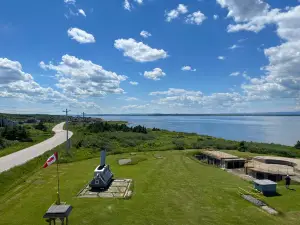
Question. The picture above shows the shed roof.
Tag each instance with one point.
(264, 182)
(220, 155)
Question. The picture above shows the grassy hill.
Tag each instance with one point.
(173, 190)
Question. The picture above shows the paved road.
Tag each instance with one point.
(22, 156)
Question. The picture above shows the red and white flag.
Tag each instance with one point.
(51, 160)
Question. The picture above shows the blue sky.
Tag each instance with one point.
(209, 56)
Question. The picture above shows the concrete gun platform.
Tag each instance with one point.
(119, 188)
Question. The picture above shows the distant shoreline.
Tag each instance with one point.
(240, 114)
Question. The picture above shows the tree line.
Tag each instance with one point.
(104, 126)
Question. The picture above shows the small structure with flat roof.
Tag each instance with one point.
(60, 212)
(221, 159)
(267, 187)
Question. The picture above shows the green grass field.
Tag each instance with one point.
(36, 135)
(174, 190)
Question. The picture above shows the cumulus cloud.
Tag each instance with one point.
(195, 18)
(11, 71)
(134, 83)
(174, 13)
(244, 10)
(282, 74)
(139, 51)
(145, 34)
(81, 12)
(188, 68)
(84, 78)
(234, 74)
(155, 74)
(21, 85)
(189, 97)
(81, 36)
(221, 57)
(216, 17)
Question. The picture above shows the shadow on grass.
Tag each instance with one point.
(273, 195)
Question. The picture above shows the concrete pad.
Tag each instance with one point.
(105, 195)
(124, 161)
(269, 210)
(118, 189)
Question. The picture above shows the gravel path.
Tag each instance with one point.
(18, 158)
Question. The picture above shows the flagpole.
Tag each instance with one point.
(58, 194)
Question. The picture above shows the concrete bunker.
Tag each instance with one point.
(272, 168)
(221, 159)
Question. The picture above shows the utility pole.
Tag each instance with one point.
(67, 143)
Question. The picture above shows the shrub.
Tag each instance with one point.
(242, 147)
(41, 126)
(179, 144)
(297, 145)
(18, 133)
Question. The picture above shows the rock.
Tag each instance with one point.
(158, 156)
(124, 161)
(132, 153)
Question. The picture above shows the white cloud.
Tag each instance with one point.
(221, 57)
(134, 83)
(139, 51)
(145, 34)
(244, 10)
(83, 78)
(131, 99)
(242, 40)
(11, 71)
(81, 12)
(234, 47)
(195, 18)
(22, 86)
(135, 107)
(176, 91)
(245, 75)
(70, 1)
(188, 68)
(282, 74)
(81, 36)
(155, 74)
(234, 74)
(189, 98)
(216, 17)
(128, 6)
(174, 13)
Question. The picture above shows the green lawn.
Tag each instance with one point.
(173, 190)
(36, 135)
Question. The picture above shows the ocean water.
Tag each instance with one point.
(270, 129)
